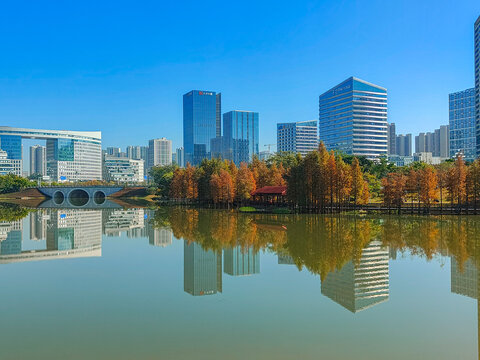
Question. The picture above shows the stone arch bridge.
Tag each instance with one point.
(79, 196)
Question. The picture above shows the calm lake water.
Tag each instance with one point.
(199, 284)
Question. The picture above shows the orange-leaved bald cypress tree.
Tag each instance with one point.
(473, 179)
(343, 180)
(322, 176)
(442, 177)
(331, 177)
(227, 187)
(428, 186)
(394, 189)
(245, 183)
(357, 181)
(177, 188)
(456, 181)
(190, 183)
(216, 188)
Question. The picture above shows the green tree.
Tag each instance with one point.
(12, 183)
(162, 177)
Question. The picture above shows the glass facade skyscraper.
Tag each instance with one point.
(240, 136)
(462, 124)
(477, 81)
(200, 109)
(299, 137)
(353, 118)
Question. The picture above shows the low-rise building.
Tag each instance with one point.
(428, 158)
(7, 166)
(123, 170)
(400, 160)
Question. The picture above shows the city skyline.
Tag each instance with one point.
(115, 92)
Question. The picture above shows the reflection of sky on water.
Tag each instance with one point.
(135, 295)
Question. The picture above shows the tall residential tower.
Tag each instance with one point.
(353, 118)
(38, 160)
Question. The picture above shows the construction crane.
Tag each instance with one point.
(269, 146)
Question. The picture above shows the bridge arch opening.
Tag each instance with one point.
(78, 197)
(99, 197)
(58, 198)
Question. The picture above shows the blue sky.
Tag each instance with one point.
(122, 67)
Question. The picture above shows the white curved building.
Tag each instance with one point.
(71, 155)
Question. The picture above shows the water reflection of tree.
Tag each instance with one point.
(216, 230)
(12, 212)
(429, 237)
(325, 243)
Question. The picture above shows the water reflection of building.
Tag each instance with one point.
(160, 236)
(358, 287)
(130, 221)
(464, 283)
(202, 270)
(70, 233)
(239, 261)
(38, 225)
(10, 237)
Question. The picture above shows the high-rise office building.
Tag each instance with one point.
(477, 80)
(436, 142)
(359, 286)
(462, 124)
(353, 118)
(391, 139)
(159, 152)
(239, 261)
(180, 157)
(403, 144)
(200, 124)
(202, 270)
(240, 136)
(299, 137)
(38, 160)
